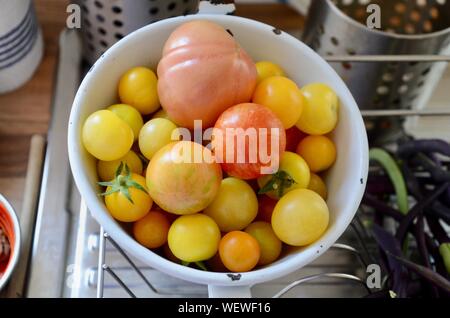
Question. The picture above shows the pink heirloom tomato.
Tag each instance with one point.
(203, 71)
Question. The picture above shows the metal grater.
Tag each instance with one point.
(104, 22)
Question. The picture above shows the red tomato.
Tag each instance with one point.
(293, 138)
(248, 128)
(203, 71)
(265, 208)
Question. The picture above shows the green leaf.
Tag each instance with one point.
(279, 182)
(126, 193)
(184, 263)
(201, 265)
(106, 184)
(119, 169)
(268, 187)
(127, 171)
(110, 191)
(136, 185)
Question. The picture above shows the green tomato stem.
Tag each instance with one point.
(394, 174)
(444, 250)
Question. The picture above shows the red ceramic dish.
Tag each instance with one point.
(10, 227)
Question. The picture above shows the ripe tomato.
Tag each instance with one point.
(268, 69)
(282, 96)
(269, 244)
(215, 264)
(318, 151)
(151, 231)
(178, 182)
(293, 138)
(155, 134)
(317, 185)
(249, 129)
(161, 113)
(138, 88)
(239, 251)
(235, 205)
(120, 206)
(194, 238)
(293, 174)
(169, 255)
(321, 108)
(106, 136)
(265, 208)
(203, 71)
(300, 217)
(129, 115)
(107, 169)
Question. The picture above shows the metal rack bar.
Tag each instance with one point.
(404, 112)
(128, 259)
(101, 262)
(387, 58)
(313, 277)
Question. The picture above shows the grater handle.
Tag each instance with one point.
(216, 7)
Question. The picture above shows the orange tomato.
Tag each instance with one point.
(239, 251)
(282, 96)
(319, 152)
(151, 231)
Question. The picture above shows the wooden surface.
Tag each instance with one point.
(27, 110)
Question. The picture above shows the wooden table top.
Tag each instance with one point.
(27, 110)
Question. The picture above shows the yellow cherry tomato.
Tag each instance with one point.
(320, 111)
(269, 244)
(300, 217)
(154, 135)
(106, 136)
(138, 88)
(107, 169)
(317, 185)
(282, 96)
(235, 205)
(267, 69)
(130, 115)
(151, 231)
(194, 237)
(121, 207)
(318, 151)
(161, 114)
(293, 172)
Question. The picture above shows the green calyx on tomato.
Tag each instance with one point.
(279, 182)
(201, 265)
(122, 183)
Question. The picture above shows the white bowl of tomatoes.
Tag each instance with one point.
(223, 219)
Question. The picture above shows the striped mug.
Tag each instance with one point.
(21, 45)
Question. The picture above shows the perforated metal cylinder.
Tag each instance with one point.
(104, 22)
(407, 27)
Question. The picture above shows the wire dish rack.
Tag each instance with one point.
(73, 257)
(355, 242)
